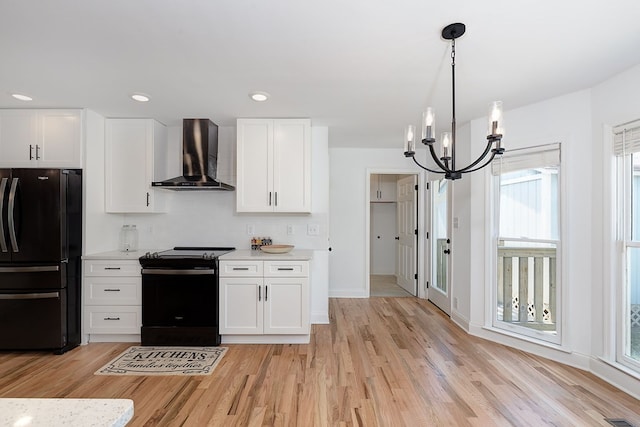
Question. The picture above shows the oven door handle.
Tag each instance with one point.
(190, 272)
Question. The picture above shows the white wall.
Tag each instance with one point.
(208, 218)
(349, 192)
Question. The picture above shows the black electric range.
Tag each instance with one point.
(180, 296)
(184, 257)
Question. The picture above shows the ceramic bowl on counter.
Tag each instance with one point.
(276, 249)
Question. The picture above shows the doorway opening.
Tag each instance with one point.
(392, 243)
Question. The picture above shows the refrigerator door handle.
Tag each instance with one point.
(3, 241)
(12, 206)
(35, 295)
(31, 269)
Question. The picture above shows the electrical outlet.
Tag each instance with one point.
(313, 229)
(251, 229)
(290, 229)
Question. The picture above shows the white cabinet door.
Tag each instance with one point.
(286, 305)
(130, 160)
(387, 186)
(254, 181)
(273, 165)
(241, 307)
(60, 139)
(292, 166)
(41, 138)
(18, 136)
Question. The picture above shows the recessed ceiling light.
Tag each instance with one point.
(22, 97)
(140, 97)
(259, 96)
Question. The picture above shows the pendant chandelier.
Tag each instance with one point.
(446, 164)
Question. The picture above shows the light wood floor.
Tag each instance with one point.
(381, 362)
(382, 285)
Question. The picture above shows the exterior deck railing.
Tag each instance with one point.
(527, 285)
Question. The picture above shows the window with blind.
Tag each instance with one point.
(527, 242)
(626, 140)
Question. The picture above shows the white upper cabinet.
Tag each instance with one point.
(383, 188)
(274, 165)
(135, 155)
(41, 138)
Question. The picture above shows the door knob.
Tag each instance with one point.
(447, 251)
(397, 237)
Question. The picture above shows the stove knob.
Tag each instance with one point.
(204, 255)
(147, 255)
(155, 255)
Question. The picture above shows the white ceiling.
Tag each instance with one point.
(365, 68)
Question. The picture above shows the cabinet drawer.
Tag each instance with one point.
(286, 268)
(112, 290)
(111, 268)
(113, 320)
(241, 268)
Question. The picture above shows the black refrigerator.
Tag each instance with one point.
(40, 250)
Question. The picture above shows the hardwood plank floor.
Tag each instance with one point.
(381, 362)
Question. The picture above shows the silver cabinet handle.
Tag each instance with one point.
(112, 290)
(259, 293)
(266, 292)
(12, 207)
(148, 199)
(276, 203)
(111, 318)
(37, 152)
(285, 268)
(240, 268)
(3, 187)
(112, 268)
(37, 295)
(30, 152)
(269, 198)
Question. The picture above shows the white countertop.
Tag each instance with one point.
(248, 254)
(120, 255)
(66, 412)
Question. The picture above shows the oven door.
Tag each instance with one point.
(179, 298)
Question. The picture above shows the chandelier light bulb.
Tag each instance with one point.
(409, 141)
(495, 118)
(428, 124)
(446, 143)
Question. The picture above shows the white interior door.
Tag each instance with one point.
(407, 239)
(439, 291)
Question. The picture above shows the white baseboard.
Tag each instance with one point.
(265, 339)
(460, 320)
(320, 318)
(114, 338)
(348, 293)
(617, 375)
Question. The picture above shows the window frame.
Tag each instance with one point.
(524, 332)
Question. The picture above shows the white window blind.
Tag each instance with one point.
(626, 138)
(527, 158)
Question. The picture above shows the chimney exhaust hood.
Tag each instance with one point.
(199, 158)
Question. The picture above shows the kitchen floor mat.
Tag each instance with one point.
(164, 361)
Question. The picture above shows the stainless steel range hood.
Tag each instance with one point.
(199, 158)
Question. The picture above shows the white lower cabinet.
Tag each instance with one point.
(264, 298)
(112, 300)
